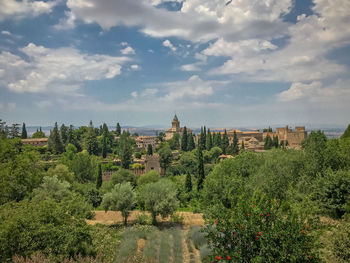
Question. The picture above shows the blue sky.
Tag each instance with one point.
(218, 63)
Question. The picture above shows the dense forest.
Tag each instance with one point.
(282, 205)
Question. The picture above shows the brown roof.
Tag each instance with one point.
(35, 140)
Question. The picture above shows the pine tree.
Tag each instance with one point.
(149, 149)
(105, 140)
(242, 146)
(188, 183)
(209, 142)
(70, 135)
(225, 143)
(200, 169)
(99, 176)
(190, 142)
(346, 133)
(24, 131)
(91, 143)
(64, 134)
(184, 140)
(235, 143)
(14, 131)
(118, 130)
(54, 142)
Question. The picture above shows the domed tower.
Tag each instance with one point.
(175, 124)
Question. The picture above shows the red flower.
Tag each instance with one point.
(254, 205)
(268, 214)
(310, 256)
(218, 257)
(261, 214)
(248, 214)
(228, 257)
(256, 238)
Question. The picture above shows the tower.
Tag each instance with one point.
(175, 124)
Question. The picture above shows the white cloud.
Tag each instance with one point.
(13, 8)
(127, 51)
(61, 70)
(135, 67)
(167, 43)
(4, 32)
(190, 67)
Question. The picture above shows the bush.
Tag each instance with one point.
(341, 242)
(257, 230)
(143, 219)
(176, 218)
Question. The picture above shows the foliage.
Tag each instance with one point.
(99, 176)
(174, 142)
(258, 230)
(53, 188)
(184, 140)
(200, 169)
(125, 149)
(121, 198)
(341, 242)
(27, 227)
(188, 183)
(54, 142)
(346, 133)
(24, 132)
(61, 172)
(159, 198)
(91, 144)
(150, 177)
(123, 175)
(38, 134)
(83, 167)
(149, 149)
(165, 157)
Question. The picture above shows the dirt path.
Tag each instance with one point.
(185, 252)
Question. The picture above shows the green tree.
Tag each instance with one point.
(225, 143)
(125, 149)
(123, 175)
(24, 131)
(106, 140)
(235, 144)
(346, 133)
(268, 143)
(82, 167)
(54, 141)
(91, 144)
(190, 142)
(242, 146)
(62, 172)
(174, 142)
(70, 135)
(13, 131)
(165, 157)
(38, 134)
(188, 183)
(149, 149)
(118, 130)
(99, 176)
(275, 142)
(53, 188)
(159, 198)
(160, 136)
(121, 198)
(64, 134)
(200, 169)
(150, 177)
(209, 141)
(184, 140)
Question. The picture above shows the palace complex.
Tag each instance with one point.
(175, 128)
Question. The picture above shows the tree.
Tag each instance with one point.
(3, 129)
(160, 136)
(150, 177)
(242, 146)
(188, 183)
(268, 143)
(225, 143)
(62, 172)
(64, 134)
(82, 167)
(159, 198)
(53, 188)
(24, 131)
(14, 131)
(91, 144)
(235, 146)
(125, 149)
(54, 141)
(149, 149)
(123, 175)
(165, 157)
(184, 140)
(121, 198)
(38, 134)
(209, 141)
(346, 133)
(174, 142)
(275, 142)
(106, 140)
(190, 142)
(200, 169)
(118, 130)
(99, 176)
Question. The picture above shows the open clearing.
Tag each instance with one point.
(112, 217)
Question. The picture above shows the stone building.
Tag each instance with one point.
(142, 142)
(285, 134)
(152, 164)
(175, 128)
(35, 141)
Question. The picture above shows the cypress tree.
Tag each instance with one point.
(91, 143)
(190, 142)
(200, 169)
(118, 130)
(188, 183)
(149, 149)
(70, 135)
(64, 134)
(346, 133)
(275, 142)
(54, 142)
(204, 138)
(105, 141)
(24, 131)
(225, 143)
(209, 142)
(235, 143)
(184, 140)
(99, 176)
(268, 143)
(242, 146)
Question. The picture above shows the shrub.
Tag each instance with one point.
(143, 219)
(341, 242)
(176, 218)
(257, 230)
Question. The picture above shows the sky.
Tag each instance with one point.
(220, 63)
